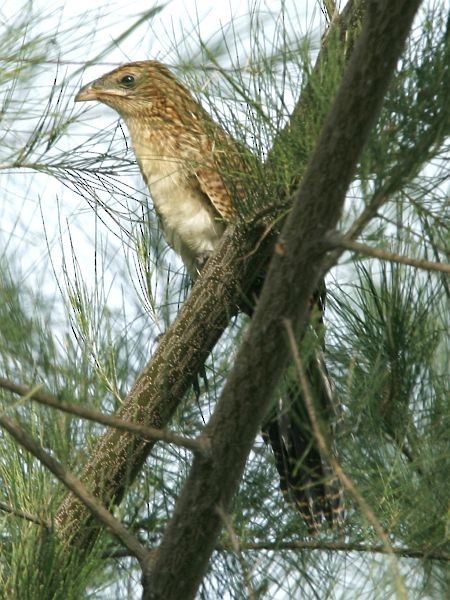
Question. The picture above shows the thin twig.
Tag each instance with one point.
(23, 514)
(339, 547)
(198, 445)
(76, 487)
(236, 547)
(319, 545)
(420, 237)
(344, 242)
(323, 446)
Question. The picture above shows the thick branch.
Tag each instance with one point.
(192, 533)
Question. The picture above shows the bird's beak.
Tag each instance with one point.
(87, 92)
(95, 91)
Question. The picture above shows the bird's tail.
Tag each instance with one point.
(306, 475)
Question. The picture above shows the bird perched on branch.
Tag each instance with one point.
(183, 155)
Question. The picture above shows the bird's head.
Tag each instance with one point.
(136, 88)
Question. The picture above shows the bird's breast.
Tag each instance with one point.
(191, 224)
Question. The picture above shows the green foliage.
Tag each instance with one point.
(415, 121)
(393, 341)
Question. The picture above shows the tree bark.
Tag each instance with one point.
(192, 533)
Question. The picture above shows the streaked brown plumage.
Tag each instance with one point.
(178, 148)
(183, 155)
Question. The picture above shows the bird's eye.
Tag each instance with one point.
(127, 80)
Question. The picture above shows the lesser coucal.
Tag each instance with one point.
(181, 152)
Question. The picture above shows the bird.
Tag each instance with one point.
(194, 172)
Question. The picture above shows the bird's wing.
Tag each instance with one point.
(222, 172)
(212, 184)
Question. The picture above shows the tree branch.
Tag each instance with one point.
(118, 456)
(192, 533)
(428, 265)
(236, 548)
(194, 445)
(23, 514)
(320, 545)
(324, 546)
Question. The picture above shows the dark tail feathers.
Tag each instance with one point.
(306, 476)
